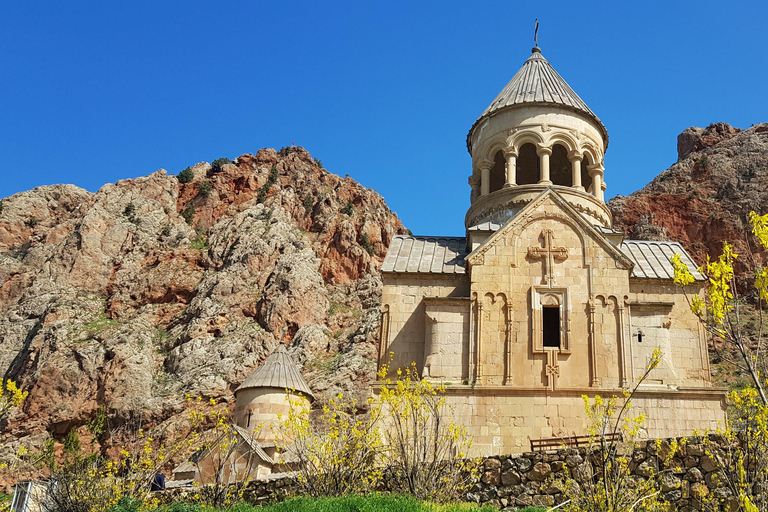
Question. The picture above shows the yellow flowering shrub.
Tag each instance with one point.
(427, 454)
(720, 310)
(223, 459)
(604, 481)
(337, 453)
(10, 396)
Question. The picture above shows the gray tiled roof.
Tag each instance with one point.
(277, 371)
(485, 226)
(537, 82)
(426, 255)
(253, 444)
(651, 259)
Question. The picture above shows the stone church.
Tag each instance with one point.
(543, 301)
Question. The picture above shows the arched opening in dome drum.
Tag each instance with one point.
(560, 166)
(528, 167)
(586, 181)
(498, 172)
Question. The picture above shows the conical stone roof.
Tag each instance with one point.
(537, 83)
(277, 371)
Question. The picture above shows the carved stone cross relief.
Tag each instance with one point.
(549, 253)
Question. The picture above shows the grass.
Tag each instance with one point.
(102, 323)
(371, 503)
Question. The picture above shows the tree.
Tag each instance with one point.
(720, 311)
(742, 455)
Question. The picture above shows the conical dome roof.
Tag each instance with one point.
(277, 371)
(537, 83)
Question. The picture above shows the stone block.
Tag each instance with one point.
(540, 471)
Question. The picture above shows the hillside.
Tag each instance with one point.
(151, 289)
(705, 198)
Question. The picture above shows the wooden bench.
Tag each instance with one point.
(554, 443)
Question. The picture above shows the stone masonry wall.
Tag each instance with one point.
(510, 482)
(533, 479)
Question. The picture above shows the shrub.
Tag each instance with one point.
(348, 209)
(130, 213)
(1, 206)
(366, 244)
(219, 164)
(31, 222)
(318, 163)
(188, 212)
(185, 176)
(166, 231)
(308, 203)
(704, 162)
(427, 455)
(204, 188)
(261, 195)
(604, 481)
(10, 396)
(339, 453)
(200, 242)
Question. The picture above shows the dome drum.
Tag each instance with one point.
(497, 207)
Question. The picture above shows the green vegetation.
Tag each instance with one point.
(200, 242)
(318, 163)
(31, 222)
(261, 195)
(349, 209)
(204, 188)
(704, 162)
(370, 503)
(102, 323)
(130, 213)
(166, 231)
(188, 212)
(1, 211)
(219, 164)
(366, 244)
(185, 176)
(308, 203)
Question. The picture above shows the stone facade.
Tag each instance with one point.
(543, 301)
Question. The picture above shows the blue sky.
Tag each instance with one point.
(94, 92)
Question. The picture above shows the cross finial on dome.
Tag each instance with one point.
(536, 48)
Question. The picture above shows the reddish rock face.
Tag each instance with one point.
(705, 198)
(149, 289)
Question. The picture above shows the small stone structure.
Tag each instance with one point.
(543, 301)
(265, 394)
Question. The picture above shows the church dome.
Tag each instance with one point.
(278, 371)
(538, 83)
(537, 133)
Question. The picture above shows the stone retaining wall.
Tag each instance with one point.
(515, 481)
(534, 479)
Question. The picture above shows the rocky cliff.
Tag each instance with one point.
(705, 198)
(151, 289)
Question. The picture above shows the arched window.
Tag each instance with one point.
(498, 173)
(560, 166)
(586, 181)
(528, 167)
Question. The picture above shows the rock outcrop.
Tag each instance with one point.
(705, 198)
(151, 289)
